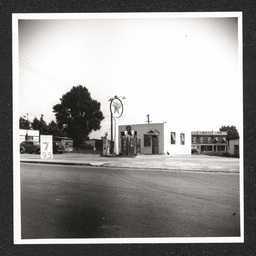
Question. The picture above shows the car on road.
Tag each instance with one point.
(30, 147)
(194, 151)
(58, 147)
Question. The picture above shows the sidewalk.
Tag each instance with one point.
(196, 163)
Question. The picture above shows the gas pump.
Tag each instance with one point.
(132, 144)
(106, 143)
(129, 144)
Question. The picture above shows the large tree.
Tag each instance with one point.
(231, 130)
(78, 113)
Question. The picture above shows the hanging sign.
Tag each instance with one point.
(46, 147)
(116, 108)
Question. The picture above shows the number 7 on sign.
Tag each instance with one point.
(46, 147)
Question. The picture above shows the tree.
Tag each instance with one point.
(79, 113)
(24, 123)
(231, 130)
(39, 125)
(53, 129)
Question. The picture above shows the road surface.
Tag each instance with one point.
(95, 202)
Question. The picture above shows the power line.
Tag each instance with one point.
(40, 72)
(44, 73)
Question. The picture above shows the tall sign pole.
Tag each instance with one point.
(111, 132)
(116, 110)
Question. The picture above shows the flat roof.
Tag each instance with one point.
(142, 124)
(209, 133)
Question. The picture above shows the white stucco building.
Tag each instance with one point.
(27, 134)
(158, 138)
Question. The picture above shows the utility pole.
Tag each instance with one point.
(148, 119)
(26, 137)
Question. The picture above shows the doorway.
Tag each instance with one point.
(155, 145)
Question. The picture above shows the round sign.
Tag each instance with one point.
(116, 107)
(128, 128)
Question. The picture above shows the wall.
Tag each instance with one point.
(177, 148)
(231, 146)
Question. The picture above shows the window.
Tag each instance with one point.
(173, 137)
(201, 139)
(194, 139)
(209, 139)
(182, 139)
(221, 148)
(147, 141)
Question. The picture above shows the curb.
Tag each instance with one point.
(126, 167)
(57, 163)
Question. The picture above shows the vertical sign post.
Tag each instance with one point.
(116, 110)
(46, 147)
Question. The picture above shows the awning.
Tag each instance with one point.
(153, 132)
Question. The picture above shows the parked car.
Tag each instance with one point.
(30, 147)
(58, 147)
(194, 151)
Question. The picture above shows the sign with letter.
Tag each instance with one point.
(46, 147)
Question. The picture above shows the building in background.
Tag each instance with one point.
(209, 141)
(66, 142)
(157, 138)
(27, 134)
(233, 147)
(96, 144)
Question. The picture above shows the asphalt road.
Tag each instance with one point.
(95, 202)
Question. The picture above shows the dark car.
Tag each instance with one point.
(30, 147)
(58, 147)
(194, 151)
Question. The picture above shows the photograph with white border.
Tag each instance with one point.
(180, 77)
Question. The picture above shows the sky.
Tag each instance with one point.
(183, 71)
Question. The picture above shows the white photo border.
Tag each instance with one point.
(16, 155)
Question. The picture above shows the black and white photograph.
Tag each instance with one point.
(128, 128)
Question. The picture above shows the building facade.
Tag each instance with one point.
(209, 141)
(157, 138)
(233, 147)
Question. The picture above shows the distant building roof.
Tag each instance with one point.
(224, 133)
(62, 138)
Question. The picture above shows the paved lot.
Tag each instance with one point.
(166, 162)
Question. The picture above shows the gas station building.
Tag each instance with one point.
(154, 138)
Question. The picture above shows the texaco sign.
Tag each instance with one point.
(116, 107)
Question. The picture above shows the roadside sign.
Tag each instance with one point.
(46, 147)
(116, 107)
